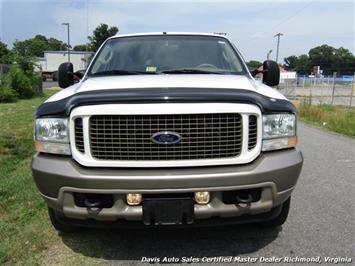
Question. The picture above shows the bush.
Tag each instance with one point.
(18, 81)
(7, 95)
(24, 84)
(36, 82)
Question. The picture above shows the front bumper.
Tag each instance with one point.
(59, 177)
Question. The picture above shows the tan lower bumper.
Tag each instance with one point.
(120, 210)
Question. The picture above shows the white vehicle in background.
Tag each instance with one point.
(48, 64)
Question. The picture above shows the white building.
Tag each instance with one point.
(52, 59)
(287, 76)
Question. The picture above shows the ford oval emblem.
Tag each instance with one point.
(166, 137)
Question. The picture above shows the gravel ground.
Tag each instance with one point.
(49, 84)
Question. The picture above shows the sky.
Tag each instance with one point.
(251, 25)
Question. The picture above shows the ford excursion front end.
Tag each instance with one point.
(166, 129)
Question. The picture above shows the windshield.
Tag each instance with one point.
(167, 54)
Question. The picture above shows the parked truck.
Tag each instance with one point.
(166, 129)
(49, 63)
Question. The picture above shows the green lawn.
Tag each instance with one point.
(26, 235)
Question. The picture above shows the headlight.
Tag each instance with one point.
(279, 125)
(52, 135)
(279, 131)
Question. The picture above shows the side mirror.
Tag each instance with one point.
(271, 73)
(65, 75)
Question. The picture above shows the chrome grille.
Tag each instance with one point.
(252, 139)
(128, 137)
(79, 135)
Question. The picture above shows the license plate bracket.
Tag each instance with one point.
(168, 211)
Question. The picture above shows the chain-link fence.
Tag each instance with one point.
(321, 90)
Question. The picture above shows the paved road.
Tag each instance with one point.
(321, 221)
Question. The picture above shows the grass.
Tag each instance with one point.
(26, 235)
(335, 118)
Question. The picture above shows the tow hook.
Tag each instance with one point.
(92, 203)
(244, 199)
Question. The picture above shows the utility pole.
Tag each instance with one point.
(278, 46)
(68, 45)
(268, 54)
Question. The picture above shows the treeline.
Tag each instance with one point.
(21, 81)
(35, 47)
(330, 60)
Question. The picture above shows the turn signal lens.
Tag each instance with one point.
(202, 197)
(279, 143)
(292, 142)
(52, 147)
(134, 199)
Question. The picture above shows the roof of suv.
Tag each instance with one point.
(168, 33)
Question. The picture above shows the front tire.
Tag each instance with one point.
(58, 224)
(281, 218)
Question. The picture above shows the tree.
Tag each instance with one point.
(56, 45)
(4, 53)
(322, 56)
(329, 59)
(300, 64)
(82, 47)
(291, 62)
(37, 45)
(100, 34)
(253, 64)
(31, 47)
(344, 61)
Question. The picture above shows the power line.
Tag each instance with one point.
(292, 16)
(284, 20)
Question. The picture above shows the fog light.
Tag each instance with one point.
(202, 197)
(134, 198)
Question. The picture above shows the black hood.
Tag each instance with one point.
(63, 107)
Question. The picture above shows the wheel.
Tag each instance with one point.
(281, 218)
(58, 224)
(55, 76)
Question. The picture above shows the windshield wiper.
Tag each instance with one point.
(114, 72)
(190, 71)
(121, 72)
